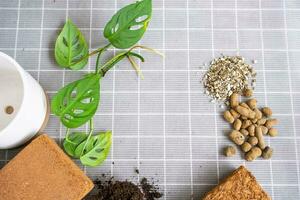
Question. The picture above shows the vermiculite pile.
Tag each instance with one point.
(228, 75)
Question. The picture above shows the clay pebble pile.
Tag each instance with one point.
(250, 126)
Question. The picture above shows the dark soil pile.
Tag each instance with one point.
(124, 190)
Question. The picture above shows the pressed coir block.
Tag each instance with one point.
(240, 185)
(41, 171)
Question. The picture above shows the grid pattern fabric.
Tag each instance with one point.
(164, 125)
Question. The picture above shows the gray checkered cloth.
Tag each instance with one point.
(164, 125)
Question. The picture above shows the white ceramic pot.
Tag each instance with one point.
(23, 104)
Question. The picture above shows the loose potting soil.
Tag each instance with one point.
(124, 190)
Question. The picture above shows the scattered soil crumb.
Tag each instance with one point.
(124, 190)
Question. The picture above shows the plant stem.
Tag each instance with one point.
(107, 66)
(92, 53)
(97, 62)
(91, 125)
(85, 57)
(67, 135)
(99, 54)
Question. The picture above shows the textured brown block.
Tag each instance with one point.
(42, 171)
(240, 185)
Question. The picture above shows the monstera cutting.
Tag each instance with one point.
(129, 24)
(76, 103)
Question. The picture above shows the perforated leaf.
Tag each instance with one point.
(94, 155)
(71, 48)
(129, 24)
(71, 142)
(77, 102)
(84, 147)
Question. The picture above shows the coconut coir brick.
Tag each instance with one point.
(42, 171)
(240, 185)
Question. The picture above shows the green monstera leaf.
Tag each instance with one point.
(72, 141)
(71, 49)
(84, 147)
(97, 150)
(129, 24)
(77, 102)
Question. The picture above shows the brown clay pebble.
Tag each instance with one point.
(271, 122)
(260, 137)
(258, 113)
(237, 124)
(246, 147)
(9, 110)
(251, 130)
(267, 111)
(253, 140)
(261, 121)
(234, 114)
(264, 130)
(228, 117)
(234, 100)
(244, 118)
(237, 137)
(273, 132)
(245, 112)
(244, 132)
(254, 121)
(244, 105)
(252, 103)
(252, 134)
(246, 124)
(252, 114)
(267, 153)
(248, 92)
(229, 151)
(254, 153)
